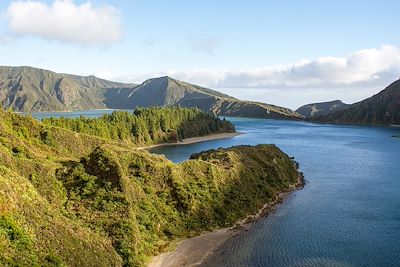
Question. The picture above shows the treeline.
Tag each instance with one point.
(147, 125)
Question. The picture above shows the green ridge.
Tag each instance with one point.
(322, 108)
(382, 108)
(30, 89)
(75, 199)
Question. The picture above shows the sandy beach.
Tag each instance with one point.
(196, 139)
(193, 251)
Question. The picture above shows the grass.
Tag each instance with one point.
(74, 199)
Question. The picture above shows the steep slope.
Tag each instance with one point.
(72, 199)
(321, 109)
(382, 108)
(31, 89)
(165, 91)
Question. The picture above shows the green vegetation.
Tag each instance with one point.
(146, 126)
(320, 109)
(30, 89)
(75, 199)
(382, 108)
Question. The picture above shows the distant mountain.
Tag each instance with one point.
(31, 89)
(382, 108)
(322, 108)
(165, 91)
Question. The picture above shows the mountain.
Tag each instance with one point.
(165, 91)
(322, 108)
(31, 89)
(74, 199)
(382, 108)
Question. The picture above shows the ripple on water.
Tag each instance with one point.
(348, 213)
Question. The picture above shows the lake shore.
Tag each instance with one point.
(193, 251)
(193, 140)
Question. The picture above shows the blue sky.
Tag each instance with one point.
(282, 52)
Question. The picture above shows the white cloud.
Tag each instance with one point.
(369, 68)
(65, 21)
(352, 78)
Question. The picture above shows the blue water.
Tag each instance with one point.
(72, 114)
(348, 214)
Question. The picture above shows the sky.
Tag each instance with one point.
(285, 52)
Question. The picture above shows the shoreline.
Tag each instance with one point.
(193, 140)
(195, 250)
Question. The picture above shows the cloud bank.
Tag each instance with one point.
(65, 21)
(360, 69)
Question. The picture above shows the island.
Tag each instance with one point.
(78, 192)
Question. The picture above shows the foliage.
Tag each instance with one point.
(64, 193)
(382, 108)
(147, 125)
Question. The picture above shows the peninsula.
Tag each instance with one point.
(68, 186)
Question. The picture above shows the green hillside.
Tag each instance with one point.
(382, 108)
(321, 109)
(29, 89)
(165, 91)
(76, 199)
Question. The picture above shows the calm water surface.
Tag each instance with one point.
(348, 214)
(73, 114)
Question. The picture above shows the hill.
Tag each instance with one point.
(322, 108)
(165, 91)
(74, 199)
(382, 108)
(29, 89)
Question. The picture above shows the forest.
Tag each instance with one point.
(147, 126)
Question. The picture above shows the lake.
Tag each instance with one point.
(348, 214)
(72, 114)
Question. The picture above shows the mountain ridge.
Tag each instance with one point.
(29, 89)
(381, 108)
(321, 108)
(32, 89)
